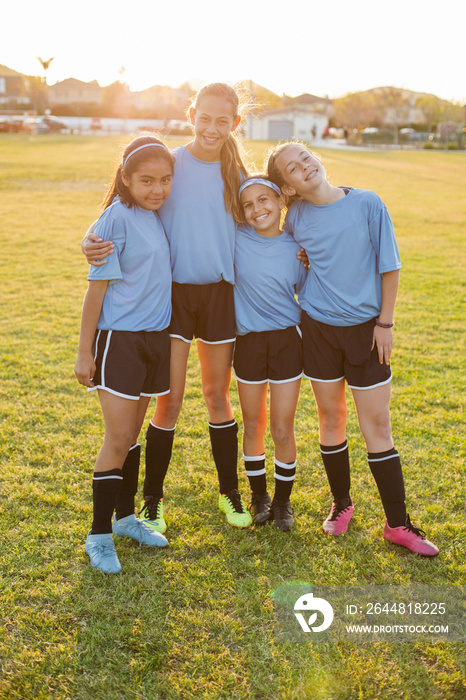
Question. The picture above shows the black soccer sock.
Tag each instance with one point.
(224, 441)
(388, 475)
(124, 504)
(105, 486)
(255, 471)
(159, 444)
(284, 479)
(336, 463)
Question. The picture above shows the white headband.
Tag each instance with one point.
(146, 145)
(259, 181)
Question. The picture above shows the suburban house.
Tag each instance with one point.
(299, 122)
(13, 87)
(72, 91)
(304, 117)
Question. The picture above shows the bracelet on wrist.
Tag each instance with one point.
(383, 325)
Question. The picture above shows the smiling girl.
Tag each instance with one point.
(200, 219)
(124, 344)
(268, 350)
(348, 304)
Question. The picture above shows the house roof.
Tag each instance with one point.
(307, 98)
(291, 109)
(74, 83)
(6, 72)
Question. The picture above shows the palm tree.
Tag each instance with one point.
(45, 65)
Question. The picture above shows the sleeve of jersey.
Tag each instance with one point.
(109, 230)
(383, 239)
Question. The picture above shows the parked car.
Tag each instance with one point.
(11, 124)
(54, 124)
(179, 128)
(44, 125)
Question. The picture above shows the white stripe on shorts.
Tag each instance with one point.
(104, 358)
(372, 386)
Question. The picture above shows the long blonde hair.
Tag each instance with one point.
(232, 155)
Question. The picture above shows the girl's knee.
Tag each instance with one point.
(120, 443)
(376, 428)
(167, 410)
(332, 421)
(253, 429)
(282, 435)
(217, 399)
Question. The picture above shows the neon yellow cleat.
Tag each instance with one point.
(151, 513)
(232, 505)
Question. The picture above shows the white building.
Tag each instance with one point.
(73, 91)
(299, 122)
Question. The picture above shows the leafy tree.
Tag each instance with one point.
(436, 110)
(395, 107)
(114, 99)
(355, 110)
(36, 92)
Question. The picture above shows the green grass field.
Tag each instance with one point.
(197, 619)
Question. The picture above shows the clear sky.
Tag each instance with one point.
(321, 47)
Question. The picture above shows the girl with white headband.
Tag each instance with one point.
(268, 350)
(124, 346)
(200, 219)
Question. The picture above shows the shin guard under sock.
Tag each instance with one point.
(388, 475)
(159, 444)
(284, 479)
(224, 441)
(255, 471)
(124, 505)
(105, 486)
(336, 463)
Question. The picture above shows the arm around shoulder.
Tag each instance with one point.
(94, 248)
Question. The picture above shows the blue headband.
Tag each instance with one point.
(146, 145)
(259, 181)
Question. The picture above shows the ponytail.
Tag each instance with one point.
(233, 173)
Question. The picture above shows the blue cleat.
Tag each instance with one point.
(139, 531)
(101, 551)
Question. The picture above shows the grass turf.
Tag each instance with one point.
(197, 620)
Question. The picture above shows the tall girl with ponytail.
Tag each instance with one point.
(200, 219)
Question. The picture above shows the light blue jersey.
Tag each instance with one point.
(200, 231)
(267, 277)
(350, 243)
(138, 297)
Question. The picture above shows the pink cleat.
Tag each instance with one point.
(339, 517)
(411, 537)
